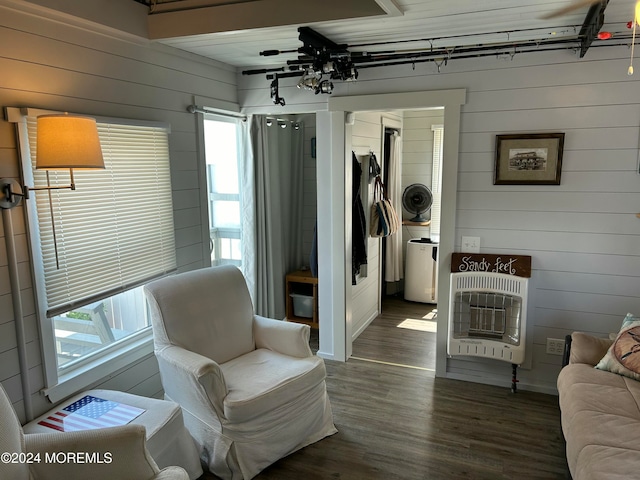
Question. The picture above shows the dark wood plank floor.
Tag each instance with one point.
(404, 334)
(398, 422)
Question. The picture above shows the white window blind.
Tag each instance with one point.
(115, 231)
(436, 178)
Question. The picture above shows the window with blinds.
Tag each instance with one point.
(436, 178)
(114, 233)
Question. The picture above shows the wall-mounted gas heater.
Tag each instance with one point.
(487, 317)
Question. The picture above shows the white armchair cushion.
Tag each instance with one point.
(198, 322)
(263, 380)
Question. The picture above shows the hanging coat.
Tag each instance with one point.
(358, 222)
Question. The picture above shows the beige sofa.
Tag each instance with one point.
(600, 414)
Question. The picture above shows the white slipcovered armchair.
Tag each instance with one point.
(250, 388)
(102, 454)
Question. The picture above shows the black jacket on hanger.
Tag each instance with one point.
(358, 222)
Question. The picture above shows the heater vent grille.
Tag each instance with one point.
(493, 282)
(487, 315)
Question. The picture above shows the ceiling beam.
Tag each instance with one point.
(391, 7)
(116, 16)
(245, 15)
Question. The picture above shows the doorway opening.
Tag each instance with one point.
(336, 309)
(389, 328)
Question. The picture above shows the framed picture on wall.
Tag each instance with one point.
(528, 159)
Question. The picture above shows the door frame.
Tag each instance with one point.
(334, 210)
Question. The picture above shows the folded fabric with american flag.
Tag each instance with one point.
(90, 413)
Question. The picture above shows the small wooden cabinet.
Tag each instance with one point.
(301, 282)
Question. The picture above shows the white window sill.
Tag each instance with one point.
(103, 366)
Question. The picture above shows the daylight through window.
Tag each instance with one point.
(221, 147)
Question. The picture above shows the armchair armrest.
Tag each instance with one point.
(585, 348)
(172, 473)
(106, 453)
(192, 380)
(287, 338)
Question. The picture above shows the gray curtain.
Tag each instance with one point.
(278, 163)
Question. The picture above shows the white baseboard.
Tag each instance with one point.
(326, 356)
(357, 333)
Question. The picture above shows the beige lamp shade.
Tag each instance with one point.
(67, 141)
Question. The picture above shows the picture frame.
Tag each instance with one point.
(528, 159)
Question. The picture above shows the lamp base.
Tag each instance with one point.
(8, 197)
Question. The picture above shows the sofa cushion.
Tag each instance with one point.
(263, 380)
(588, 349)
(623, 357)
(602, 462)
(600, 412)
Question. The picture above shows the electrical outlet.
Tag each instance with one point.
(471, 244)
(555, 346)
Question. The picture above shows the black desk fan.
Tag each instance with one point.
(417, 199)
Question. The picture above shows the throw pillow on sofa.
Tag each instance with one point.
(623, 357)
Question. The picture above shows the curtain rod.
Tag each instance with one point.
(226, 113)
(215, 111)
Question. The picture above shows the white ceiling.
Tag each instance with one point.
(447, 23)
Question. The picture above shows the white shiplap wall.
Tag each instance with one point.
(583, 235)
(417, 159)
(47, 64)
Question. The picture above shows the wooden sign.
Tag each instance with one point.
(518, 265)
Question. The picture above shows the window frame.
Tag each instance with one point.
(113, 357)
(227, 232)
(436, 177)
